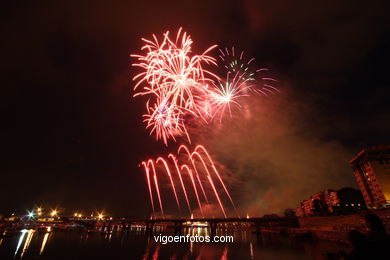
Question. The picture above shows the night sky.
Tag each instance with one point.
(72, 135)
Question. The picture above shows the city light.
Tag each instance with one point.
(100, 216)
(31, 214)
(77, 215)
(39, 211)
(53, 213)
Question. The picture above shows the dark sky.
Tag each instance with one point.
(71, 133)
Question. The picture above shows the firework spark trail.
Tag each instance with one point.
(146, 166)
(201, 147)
(211, 181)
(160, 159)
(209, 170)
(238, 64)
(194, 186)
(163, 120)
(149, 186)
(175, 82)
(181, 180)
(216, 195)
(228, 93)
(190, 157)
(242, 78)
(158, 195)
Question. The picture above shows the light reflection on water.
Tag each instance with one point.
(44, 243)
(137, 244)
(23, 233)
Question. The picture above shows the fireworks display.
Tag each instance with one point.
(251, 78)
(196, 168)
(180, 86)
(174, 81)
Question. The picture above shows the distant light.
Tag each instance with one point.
(75, 214)
(31, 214)
(100, 216)
(39, 209)
(80, 215)
(53, 213)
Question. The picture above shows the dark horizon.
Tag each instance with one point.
(73, 135)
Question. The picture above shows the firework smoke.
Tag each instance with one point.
(273, 156)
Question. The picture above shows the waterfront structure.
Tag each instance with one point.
(331, 202)
(371, 167)
(319, 202)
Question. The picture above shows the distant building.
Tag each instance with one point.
(331, 199)
(371, 167)
(331, 202)
(315, 204)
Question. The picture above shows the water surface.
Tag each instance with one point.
(137, 244)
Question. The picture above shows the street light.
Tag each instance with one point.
(54, 213)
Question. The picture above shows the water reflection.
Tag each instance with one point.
(225, 252)
(44, 243)
(23, 233)
(251, 251)
(30, 234)
(24, 240)
(192, 250)
(138, 243)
